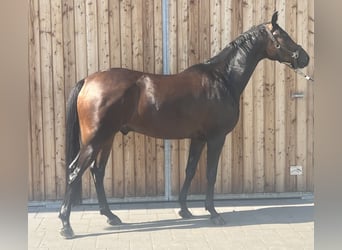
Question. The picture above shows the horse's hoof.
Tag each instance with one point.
(218, 220)
(114, 221)
(185, 214)
(67, 233)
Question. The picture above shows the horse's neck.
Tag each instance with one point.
(240, 65)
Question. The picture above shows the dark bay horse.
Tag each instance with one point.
(200, 103)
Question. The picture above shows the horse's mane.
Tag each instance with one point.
(245, 41)
(249, 36)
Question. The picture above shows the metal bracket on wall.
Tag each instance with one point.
(296, 95)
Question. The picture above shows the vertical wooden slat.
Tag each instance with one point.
(204, 31)
(215, 27)
(158, 37)
(138, 32)
(193, 32)
(151, 166)
(291, 119)
(92, 36)
(114, 33)
(103, 34)
(118, 167)
(47, 100)
(80, 40)
(258, 99)
(148, 35)
(183, 31)
(247, 114)
(69, 46)
(37, 147)
(126, 33)
(302, 115)
(160, 180)
(173, 41)
(269, 106)
(59, 94)
(175, 168)
(129, 158)
(280, 140)
(141, 152)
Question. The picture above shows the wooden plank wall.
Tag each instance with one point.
(69, 39)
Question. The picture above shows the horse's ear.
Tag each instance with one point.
(274, 20)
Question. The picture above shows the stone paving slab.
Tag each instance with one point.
(251, 224)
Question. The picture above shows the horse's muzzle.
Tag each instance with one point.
(302, 59)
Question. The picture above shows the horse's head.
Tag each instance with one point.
(282, 48)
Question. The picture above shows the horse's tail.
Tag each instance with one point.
(72, 137)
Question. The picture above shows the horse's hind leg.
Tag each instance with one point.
(82, 161)
(196, 148)
(98, 172)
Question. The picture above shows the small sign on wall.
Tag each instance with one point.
(296, 170)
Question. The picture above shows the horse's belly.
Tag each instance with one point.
(179, 125)
(165, 128)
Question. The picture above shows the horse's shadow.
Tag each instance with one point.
(262, 216)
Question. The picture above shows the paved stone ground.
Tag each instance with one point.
(251, 224)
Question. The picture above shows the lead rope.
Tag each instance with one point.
(299, 72)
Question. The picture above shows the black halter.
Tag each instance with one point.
(294, 54)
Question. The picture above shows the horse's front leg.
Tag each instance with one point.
(195, 151)
(214, 149)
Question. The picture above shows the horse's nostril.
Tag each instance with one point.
(295, 55)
